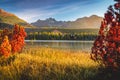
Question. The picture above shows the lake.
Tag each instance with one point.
(62, 44)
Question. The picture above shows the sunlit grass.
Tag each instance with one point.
(48, 64)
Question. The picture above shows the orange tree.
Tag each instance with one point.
(12, 41)
(5, 47)
(17, 39)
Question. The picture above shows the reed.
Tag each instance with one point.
(41, 63)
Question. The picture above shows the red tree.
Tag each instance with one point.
(18, 37)
(106, 47)
(12, 41)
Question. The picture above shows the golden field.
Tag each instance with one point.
(39, 63)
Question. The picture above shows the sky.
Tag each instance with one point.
(65, 10)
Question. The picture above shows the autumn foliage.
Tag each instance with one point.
(17, 39)
(12, 41)
(106, 47)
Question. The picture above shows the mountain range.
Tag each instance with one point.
(9, 19)
(93, 21)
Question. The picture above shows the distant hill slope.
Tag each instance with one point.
(8, 20)
(93, 21)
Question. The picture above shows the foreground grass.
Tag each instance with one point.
(48, 64)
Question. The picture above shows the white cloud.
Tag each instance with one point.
(30, 15)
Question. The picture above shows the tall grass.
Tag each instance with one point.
(48, 64)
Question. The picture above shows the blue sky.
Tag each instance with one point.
(65, 10)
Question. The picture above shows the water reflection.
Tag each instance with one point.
(63, 44)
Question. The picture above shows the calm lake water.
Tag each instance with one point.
(62, 44)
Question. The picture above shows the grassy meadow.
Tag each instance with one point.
(39, 63)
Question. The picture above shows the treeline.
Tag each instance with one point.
(61, 36)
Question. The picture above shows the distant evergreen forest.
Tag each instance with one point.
(67, 34)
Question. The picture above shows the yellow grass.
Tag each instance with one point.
(48, 64)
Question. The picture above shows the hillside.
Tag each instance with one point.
(93, 21)
(8, 19)
(86, 22)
